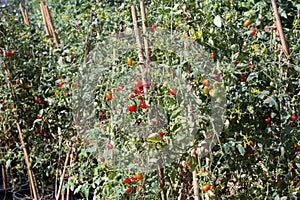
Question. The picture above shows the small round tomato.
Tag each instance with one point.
(128, 190)
(11, 106)
(205, 82)
(127, 180)
(268, 120)
(133, 177)
(14, 52)
(77, 26)
(212, 55)
(171, 91)
(132, 95)
(205, 188)
(250, 151)
(139, 176)
(293, 117)
(243, 78)
(252, 144)
(161, 134)
(102, 159)
(296, 147)
(129, 61)
(206, 90)
(153, 27)
(7, 53)
(247, 23)
(143, 104)
(71, 57)
(110, 146)
(60, 84)
(131, 108)
(253, 31)
(108, 95)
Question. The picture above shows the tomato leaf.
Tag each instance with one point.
(241, 149)
(218, 21)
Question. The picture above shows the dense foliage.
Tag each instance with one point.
(257, 152)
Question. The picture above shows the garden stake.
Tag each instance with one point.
(280, 32)
(21, 137)
(24, 15)
(143, 14)
(44, 19)
(62, 176)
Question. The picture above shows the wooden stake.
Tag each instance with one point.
(195, 186)
(146, 44)
(33, 186)
(280, 31)
(137, 35)
(44, 18)
(62, 177)
(24, 15)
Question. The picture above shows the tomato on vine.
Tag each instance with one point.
(108, 95)
(205, 188)
(131, 108)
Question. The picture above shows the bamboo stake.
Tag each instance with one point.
(280, 31)
(137, 35)
(62, 176)
(195, 186)
(21, 137)
(24, 14)
(71, 162)
(51, 26)
(146, 44)
(44, 18)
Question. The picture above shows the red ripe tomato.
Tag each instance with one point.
(18, 81)
(161, 134)
(102, 159)
(7, 53)
(250, 151)
(268, 120)
(132, 95)
(66, 91)
(296, 147)
(67, 176)
(38, 117)
(131, 108)
(293, 117)
(138, 84)
(252, 143)
(60, 84)
(128, 190)
(133, 177)
(243, 78)
(14, 52)
(205, 188)
(127, 180)
(171, 91)
(153, 27)
(110, 146)
(71, 57)
(253, 31)
(143, 104)
(77, 26)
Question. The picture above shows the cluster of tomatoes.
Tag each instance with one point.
(132, 182)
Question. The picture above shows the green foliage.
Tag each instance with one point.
(257, 153)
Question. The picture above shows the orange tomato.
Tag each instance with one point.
(247, 23)
(212, 55)
(129, 61)
(108, 95)
(139, 176)
(204, 82)
(205, 188)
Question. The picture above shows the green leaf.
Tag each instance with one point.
(218, 21)
(241, 149)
